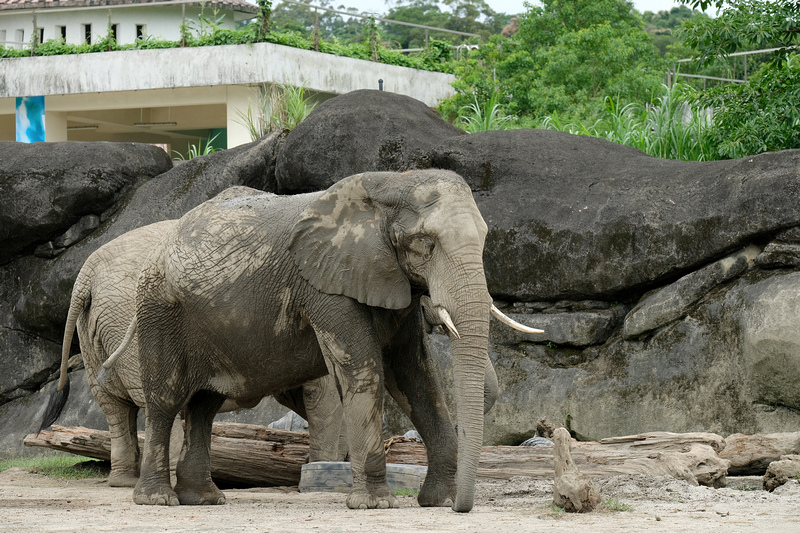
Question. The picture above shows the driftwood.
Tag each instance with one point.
(572, 490)
(750, 455)
(254, 455)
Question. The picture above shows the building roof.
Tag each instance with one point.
(234, 5)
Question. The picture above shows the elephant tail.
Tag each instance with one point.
(54, 406)
(108, 364)
(126, 341)
(81, 296)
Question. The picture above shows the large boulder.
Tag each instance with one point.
(35, 290)
(357, 132)
(45, 188)
(574, 217)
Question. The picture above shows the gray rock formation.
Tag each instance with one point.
(356, 132)
(35, 291)
(47, 187)
(669, 291)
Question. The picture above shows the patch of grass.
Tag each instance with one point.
(614, 504)
(405, 492)
(59, 466)
(554, 510)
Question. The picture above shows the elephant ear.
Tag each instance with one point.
(341, 247)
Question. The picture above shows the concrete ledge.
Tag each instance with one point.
(213, 66)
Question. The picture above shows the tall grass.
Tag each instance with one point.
(668, 128)
(277, 107)
(486, 116)
(196, 150)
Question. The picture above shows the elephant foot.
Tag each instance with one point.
(207, 494)
(122, 478)
(381, 498)
(434, 494)
(160, 495)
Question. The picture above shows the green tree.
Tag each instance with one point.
(764, 113)
(416, 12)
(304, 20)
(565, 58)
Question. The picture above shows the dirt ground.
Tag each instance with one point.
(34, 503)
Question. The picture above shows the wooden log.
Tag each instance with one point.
(253, 455)
(241, 454)
(750, 455)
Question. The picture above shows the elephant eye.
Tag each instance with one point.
(421, 245)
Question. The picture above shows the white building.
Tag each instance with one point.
(173, 97)
(86, 21)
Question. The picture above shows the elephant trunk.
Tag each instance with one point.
(467, 301)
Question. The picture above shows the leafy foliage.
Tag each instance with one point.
(762, 114)
(206, 32)
(565, 58)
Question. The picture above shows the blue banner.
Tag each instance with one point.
(30, 119)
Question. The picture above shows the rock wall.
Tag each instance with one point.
(668, 290)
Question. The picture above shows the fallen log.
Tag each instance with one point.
(247, 454)
(241, 454)
(750, 455)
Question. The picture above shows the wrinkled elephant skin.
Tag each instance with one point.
(253, 293)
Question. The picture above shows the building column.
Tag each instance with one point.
(239, 97)
(55, 126)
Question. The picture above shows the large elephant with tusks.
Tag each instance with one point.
(250, 294)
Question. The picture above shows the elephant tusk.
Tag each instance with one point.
(445, 316)
(513, 323)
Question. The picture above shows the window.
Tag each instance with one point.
(41, 35)
(141, 31)
(2, 37)
(62, 32)
(19, 37)
(115, 31)
(87, 33)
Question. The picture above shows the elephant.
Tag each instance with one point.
(102, 306)
(252, 293)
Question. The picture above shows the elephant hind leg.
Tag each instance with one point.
(195, 486)
(124, 445)
(154, 487)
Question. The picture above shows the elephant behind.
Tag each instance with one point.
(102, 307)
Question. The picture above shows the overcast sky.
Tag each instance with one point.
(506, 6)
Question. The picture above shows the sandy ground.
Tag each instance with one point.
(32, 502)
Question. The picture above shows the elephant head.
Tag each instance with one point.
(383, 238)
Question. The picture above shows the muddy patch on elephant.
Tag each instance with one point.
(32, 502)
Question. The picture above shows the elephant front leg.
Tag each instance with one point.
(360, 378)
(411, 381)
